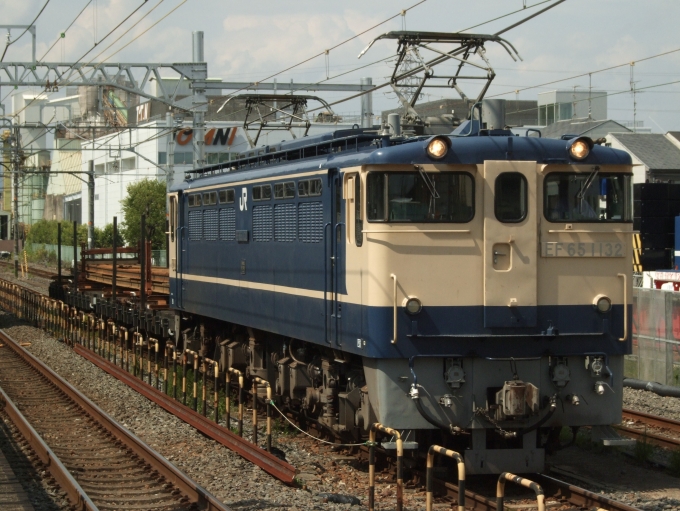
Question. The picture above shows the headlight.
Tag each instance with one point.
(602, 303)
(580, 148)
(438, 147)
(412, 305)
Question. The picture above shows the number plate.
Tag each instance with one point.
(596, 249)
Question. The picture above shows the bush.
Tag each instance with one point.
(46, 231)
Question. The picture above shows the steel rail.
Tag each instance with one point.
(646, 436)
(578, 496)
(195, 493)
(654, 421)
(76, 495)
(554, 488)
(34, 271)
(268, 462)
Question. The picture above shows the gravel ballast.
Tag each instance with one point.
(244, 486)
(235, 481)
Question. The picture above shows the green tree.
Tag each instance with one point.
(104, 237)
(145, 197)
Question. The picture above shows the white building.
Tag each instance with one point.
(560, 105)
(133, 155)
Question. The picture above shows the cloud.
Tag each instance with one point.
(259, 46)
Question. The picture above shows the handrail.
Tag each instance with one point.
(507, 476)
(394, 309)
(195, 356)
(429, 477)
(371, 465)
(625, 307)
(415, 231)
(216, 395)
(590, 232)
(179, 271)
(325, 283)
(336, 265)
(256, 380)
(227, 391)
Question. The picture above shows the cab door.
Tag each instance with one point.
(173, 244)
(510, 244)
(334, 259)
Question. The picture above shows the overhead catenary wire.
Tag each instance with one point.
(89, 50)
(65, 31)
(41, 59)
(415, 70)
(9, 43)
(323, 53)
(605, 95)
(581, 75)
(128, 30)
(515, 91)
(145, 31)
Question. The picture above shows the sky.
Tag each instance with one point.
(250, 41)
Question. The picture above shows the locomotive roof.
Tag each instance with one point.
(355, 147)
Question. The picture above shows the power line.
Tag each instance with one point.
(145, 31)
(505, 15)
(385, 84)
(585, 74)
(25, 30)
(88, 51)
(325, 52)
(128, 30)
(63, 34)
(606, 95)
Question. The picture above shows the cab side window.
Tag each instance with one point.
(510, 197)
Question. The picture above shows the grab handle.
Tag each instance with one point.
(625, 307)
(394, 309)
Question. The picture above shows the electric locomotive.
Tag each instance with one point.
(474, 285)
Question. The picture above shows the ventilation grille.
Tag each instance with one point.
(210, 226)
(285, 222)
(310, 222)
(262, 223)
(228, 224)
(195, 225)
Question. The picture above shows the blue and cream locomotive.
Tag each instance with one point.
(475, 283)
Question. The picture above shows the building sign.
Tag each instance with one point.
(143, 111)
(214, 136)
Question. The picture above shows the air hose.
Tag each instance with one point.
(657, 388)
(544, 419)
(429, 419)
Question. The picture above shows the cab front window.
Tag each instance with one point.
(588, 197)
(420, 197)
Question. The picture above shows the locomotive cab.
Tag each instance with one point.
(500, 298)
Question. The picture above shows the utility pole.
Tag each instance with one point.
(199, 101)
(90, 205)
(16, 160)
(632, 89)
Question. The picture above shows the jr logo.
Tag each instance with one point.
(243, 201)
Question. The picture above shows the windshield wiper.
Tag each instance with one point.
(589, 181)
(430, 184)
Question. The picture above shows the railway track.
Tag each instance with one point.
(653, 428)
(45, 274)
(96, 462)
(83, 343)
